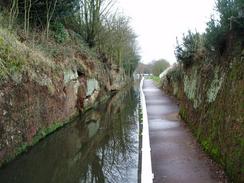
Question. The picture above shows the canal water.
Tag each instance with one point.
(100, 146)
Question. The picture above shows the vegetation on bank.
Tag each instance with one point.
(212, 44)
(55, 27)
(44, 47)
(209, 83)
(156, 80)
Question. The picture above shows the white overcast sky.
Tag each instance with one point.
(158, 22)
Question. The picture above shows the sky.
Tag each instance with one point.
(157, 23)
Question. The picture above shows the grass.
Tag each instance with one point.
(19, 53)
(12, 59)
(156, 80)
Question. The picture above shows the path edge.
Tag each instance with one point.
(146, 164)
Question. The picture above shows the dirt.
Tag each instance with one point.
(176, 156)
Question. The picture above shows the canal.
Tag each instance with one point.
(102, 145)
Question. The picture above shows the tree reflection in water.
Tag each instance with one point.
(116, 155)
(101, 146)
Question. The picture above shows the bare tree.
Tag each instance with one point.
(92, 12)
(50, 9)
(27, 9)
(14, 11)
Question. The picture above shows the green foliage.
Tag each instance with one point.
(46, 131)
(217, 29)
(183, 113)
(22, 148)
(156, 80)
(186, 51)
(176, 74)
(214, 40)
(107, 34)
(117, 43)
(159, 66)
(212, 149)
(214, 35)
(60, 34)
(3, 18)
(40, 9)
(226, 9)
(11, 60)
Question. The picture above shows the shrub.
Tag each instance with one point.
(217, 29)
(11, 57)
(194, 45)
(60, 34)
(176, 74)
(186, 51)
(214, 36)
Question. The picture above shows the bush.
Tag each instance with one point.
(12, 59)
(185, 52)
(176, 74)
(217, 29)
(60, 34)
(194, 45)
(227, 9)
(214, 36)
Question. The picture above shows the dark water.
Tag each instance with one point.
(101, 146)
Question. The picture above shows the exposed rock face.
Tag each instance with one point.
(211, 98)
(116, 78)
(92, 86)
(73, 152)
(44, 96)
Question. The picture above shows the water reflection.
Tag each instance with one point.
(101, 146)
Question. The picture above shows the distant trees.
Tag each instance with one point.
(144, 68)
(155, 67)
(159, 66)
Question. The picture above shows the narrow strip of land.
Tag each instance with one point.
(176, 157)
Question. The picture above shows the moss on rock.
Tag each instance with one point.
(212, 103)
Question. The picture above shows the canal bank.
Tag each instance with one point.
(41, 92)
(102, 145)
(176, 156)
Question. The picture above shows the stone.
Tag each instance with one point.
(70, 75)
(215, 86)
(92, 85)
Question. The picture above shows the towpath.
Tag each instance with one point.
(176, 157)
